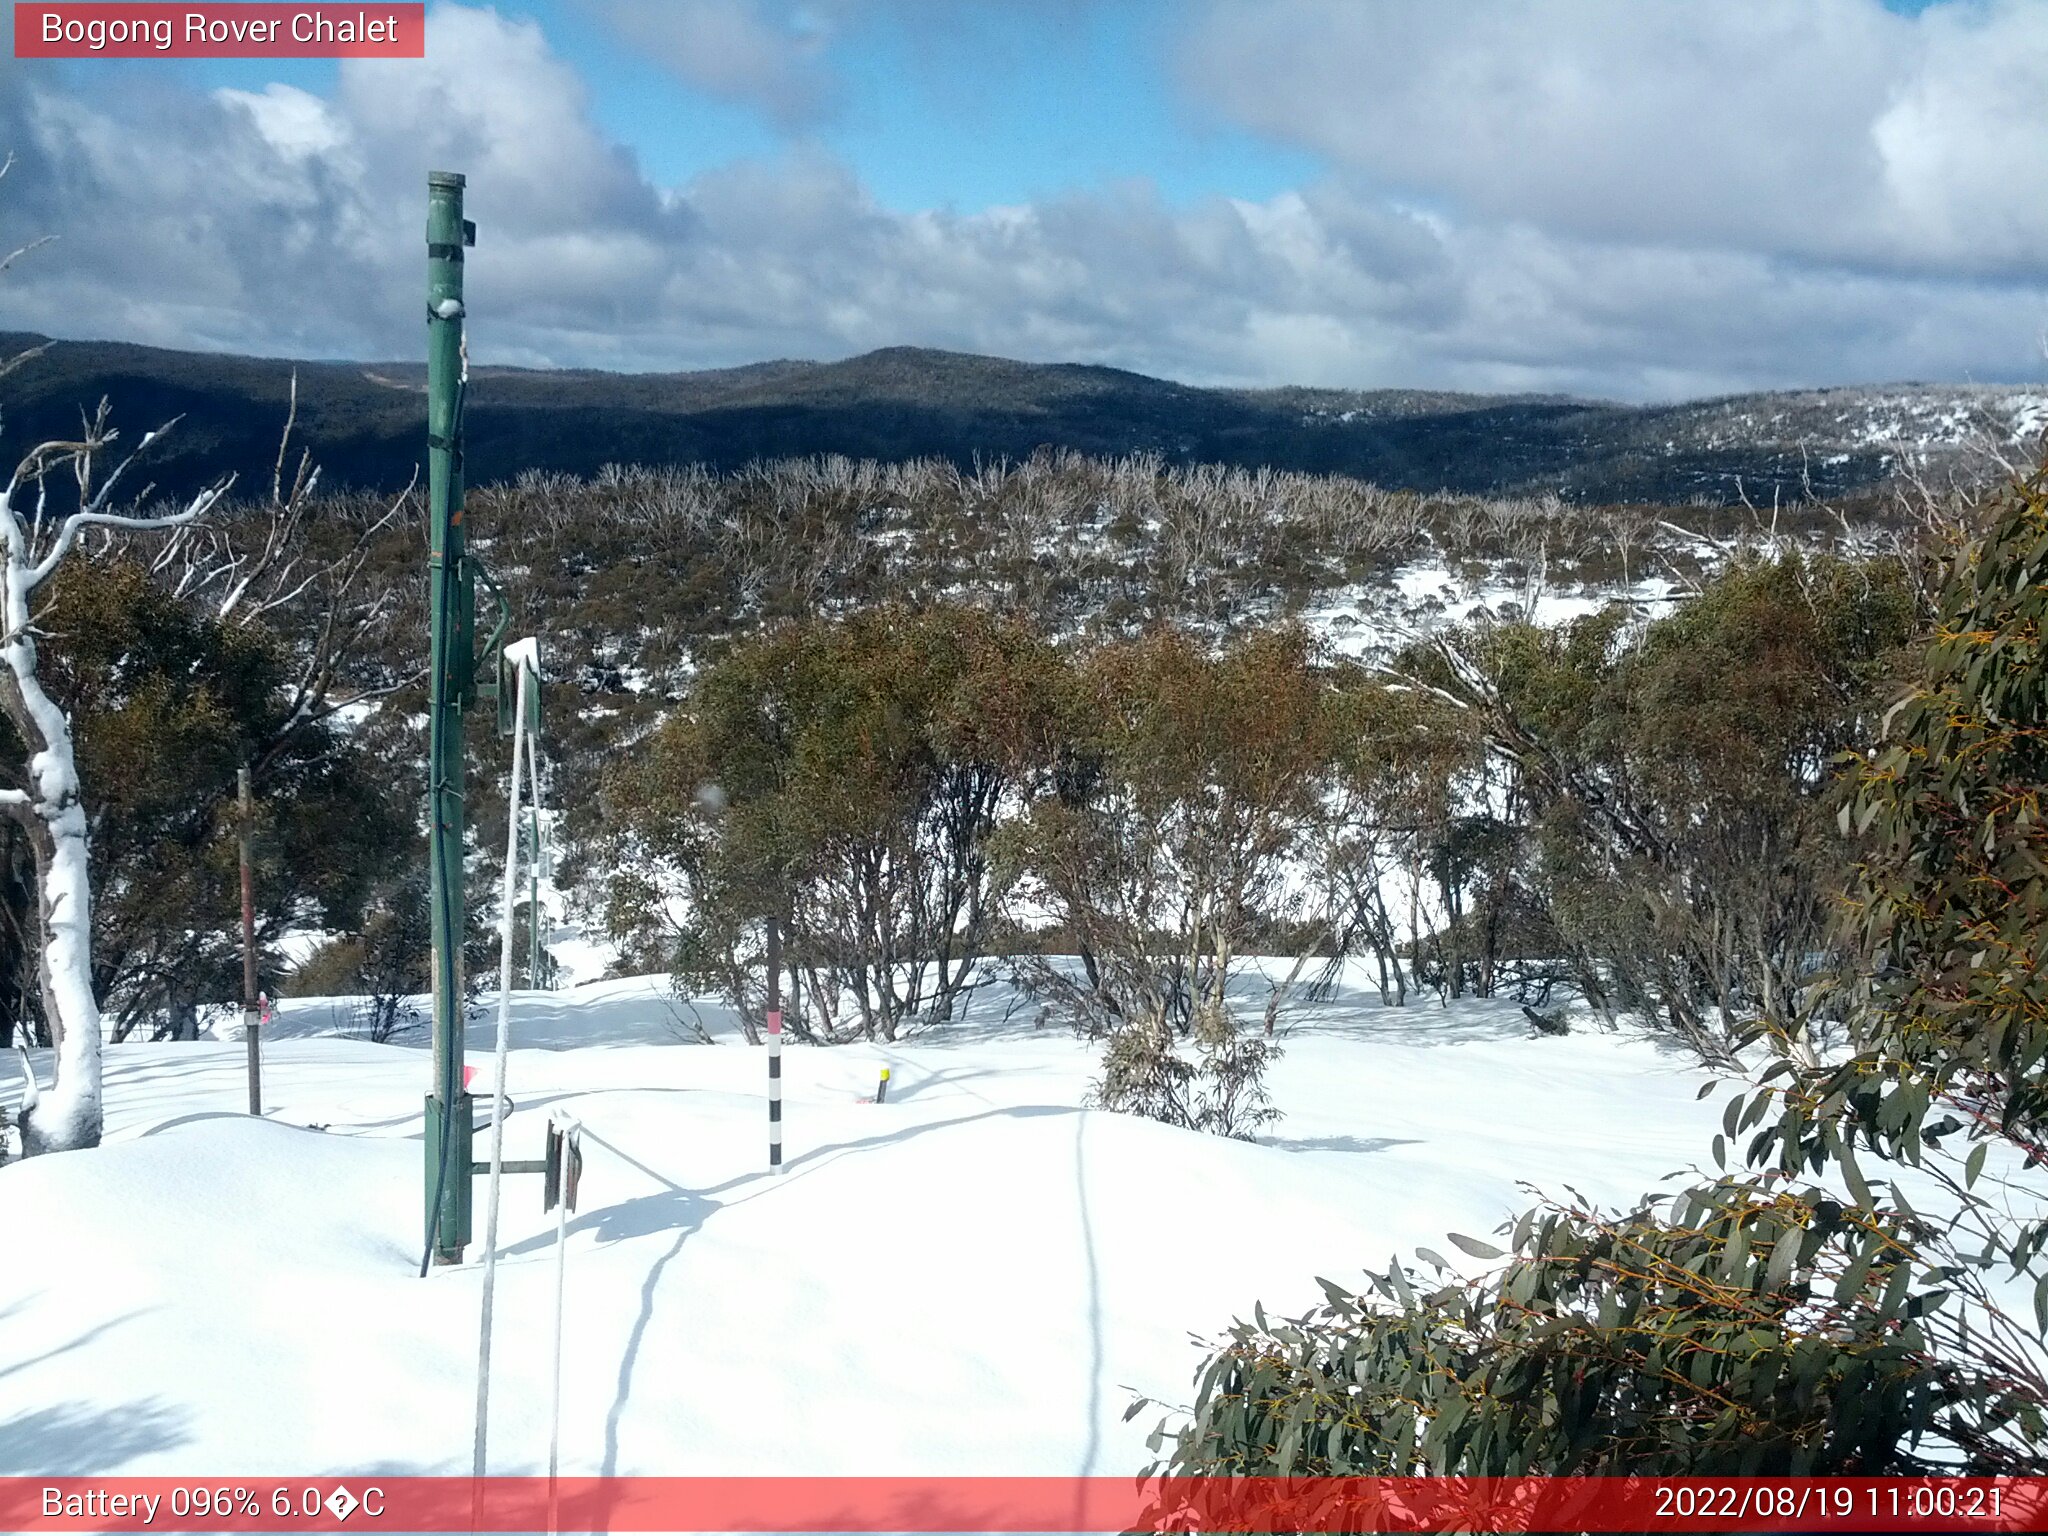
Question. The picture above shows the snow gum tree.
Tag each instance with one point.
(1192, 783)
(846, 778)
(165, 703)
(47, 801)
(1671, 783)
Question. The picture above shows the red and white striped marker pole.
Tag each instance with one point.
(775, 1090)
(774, 1011)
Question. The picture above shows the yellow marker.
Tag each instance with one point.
(882, 1091)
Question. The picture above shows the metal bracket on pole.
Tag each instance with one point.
(497, 681)
(563, 1165)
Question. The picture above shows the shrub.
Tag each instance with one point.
(1746, 1331)
(1222, 1090)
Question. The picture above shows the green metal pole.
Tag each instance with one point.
(451, 607)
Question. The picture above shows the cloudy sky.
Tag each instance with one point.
(1641, 199)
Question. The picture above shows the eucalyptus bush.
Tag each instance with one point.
(1745, 1328)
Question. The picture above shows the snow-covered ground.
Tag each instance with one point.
(973, 1277)
(1369, 622)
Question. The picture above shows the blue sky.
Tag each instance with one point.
(962, 105)
(1596, 196)
(954, 103)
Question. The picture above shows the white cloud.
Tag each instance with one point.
(281, 221)
(296, 123)
(1830, 130)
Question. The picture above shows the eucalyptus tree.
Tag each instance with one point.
(845, 778)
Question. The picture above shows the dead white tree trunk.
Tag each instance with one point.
(47, 803)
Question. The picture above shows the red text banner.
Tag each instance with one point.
(1000, 1504)
(255, 30)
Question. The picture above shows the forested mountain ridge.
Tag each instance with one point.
(365, 422)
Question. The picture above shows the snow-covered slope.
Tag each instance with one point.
(972, 1277)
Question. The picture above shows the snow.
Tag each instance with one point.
(1364, 622)
(1948, 418)
(296, 946)
(578, 959)
(974, 1277)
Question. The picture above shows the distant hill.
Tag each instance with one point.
(366, 422)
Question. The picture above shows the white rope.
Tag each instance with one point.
(483, 1359)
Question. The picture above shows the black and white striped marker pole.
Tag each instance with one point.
(775, 1090)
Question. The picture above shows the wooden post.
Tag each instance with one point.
(252, 1023)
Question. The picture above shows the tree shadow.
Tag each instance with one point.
(922, 1085)
(120, 1068)
(84, 1338)
(861, 1144)
(87, 1439)
(803, 1163)
(199, 1115)
(1340, 1143)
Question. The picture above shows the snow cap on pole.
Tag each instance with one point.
(524, 653)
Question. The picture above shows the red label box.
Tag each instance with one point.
(96, 29)
(1079, 1506)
